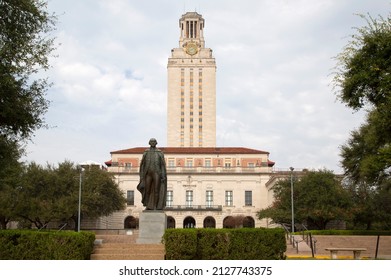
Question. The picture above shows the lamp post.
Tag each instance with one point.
(293, 213)
(79, 208)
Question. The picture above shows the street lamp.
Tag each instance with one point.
(79, 208)
(293, 213)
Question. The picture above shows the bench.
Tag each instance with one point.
(356, 252)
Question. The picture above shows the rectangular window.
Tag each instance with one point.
(248, 198)
(229, 198)
(170, 196)
(209, 198)
(171, 163)
(130, 198)
(207, 163)
(189, 198)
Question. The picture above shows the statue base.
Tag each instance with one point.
(152, 225)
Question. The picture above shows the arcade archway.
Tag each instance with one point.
(131, 222)
(209, 222)
(189, 222)
(170, 222)
(248, 222)
(229, 222)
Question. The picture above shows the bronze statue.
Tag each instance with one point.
(153, 178)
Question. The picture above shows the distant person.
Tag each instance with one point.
(153, 178)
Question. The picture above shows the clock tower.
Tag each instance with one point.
(191, 112)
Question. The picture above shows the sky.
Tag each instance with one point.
(274, 58)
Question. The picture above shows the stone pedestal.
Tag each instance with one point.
(152, 225)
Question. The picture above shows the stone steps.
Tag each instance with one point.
(118, 251)
(115, 238)
(124, 247)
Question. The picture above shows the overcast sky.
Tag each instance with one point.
(274, 64)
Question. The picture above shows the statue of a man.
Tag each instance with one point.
(153, 178)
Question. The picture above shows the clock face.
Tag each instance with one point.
(191, 48)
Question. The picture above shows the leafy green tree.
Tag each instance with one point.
(101, 196)
(10, 171)
(51, 194)
(366, 157)
(363, 70)
(318, 199)
(37, 196)
(24, 51)
(363, 199)
(363, 80)
(9, 186)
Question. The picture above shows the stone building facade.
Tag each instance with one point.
(207, 187)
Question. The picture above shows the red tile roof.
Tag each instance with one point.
(194, 150)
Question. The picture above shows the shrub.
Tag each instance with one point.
(182, 244)
(224, 244)
(45, 245)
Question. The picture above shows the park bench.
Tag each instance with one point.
(356, 252)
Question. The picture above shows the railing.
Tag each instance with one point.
(43, 227)
(306, 237)
(62, 227)
(194, 208)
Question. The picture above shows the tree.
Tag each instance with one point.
(10, 171)
(366, 157)
(318, 199)
(101, 196)
(363, 199)
(24, 50)
(363, 80)
(51, 194)
(38, 195)
(9, 186)
(363, 70)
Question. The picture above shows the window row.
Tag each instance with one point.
(189, 199)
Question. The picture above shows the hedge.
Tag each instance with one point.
(224, 244)
(45, 245)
